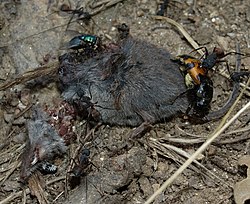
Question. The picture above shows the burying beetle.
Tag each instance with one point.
(195, 72)
(201, 96)
(191, 69)
(199, 84)
(195, 67)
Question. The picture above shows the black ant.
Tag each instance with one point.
(81, 14)
(123, 31)
(80, 169)
(211, 59)
(163, 8)
(85, 107)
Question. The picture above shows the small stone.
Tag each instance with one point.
(8, 117)
(140, 13)
(248, 14)
(19, 138)
(145, 186)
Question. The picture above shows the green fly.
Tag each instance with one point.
(84, 41)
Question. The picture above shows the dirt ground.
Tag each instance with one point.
(33, 33)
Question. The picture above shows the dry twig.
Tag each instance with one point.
(32, 74)
(27, 191)
(179, 156)
(182, 30)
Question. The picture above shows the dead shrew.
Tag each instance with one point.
(133, 83)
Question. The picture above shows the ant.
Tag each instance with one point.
(85, 107)
(80, 169)
(83, 163)
(123, 30)
(163, 8)
(210, 60)
(81, 15)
